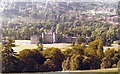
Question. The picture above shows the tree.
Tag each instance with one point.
(86, 63)
(100, 52)
(90, 40)
(76, 62)
(111, 58)
(77, 49)
(106, 63)
(40, 47)
(95, 47)
(110, 52)
(89, 51)
(68, 53)
(54, 58)
(91, 62)
(118, 33)
(73, 43)
(59, 28)
(79, 40)
(73, 63)
(116, 58)
(10, 63)
(32, 57)
(66, 64)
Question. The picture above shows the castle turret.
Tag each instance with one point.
(55, 37)
(35, 39)
(43, 37)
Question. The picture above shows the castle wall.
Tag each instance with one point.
(55, 37)
(51, 38)
(35, 39)
(48, 38)
(68, 39)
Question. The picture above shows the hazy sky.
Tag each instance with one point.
(58, 0)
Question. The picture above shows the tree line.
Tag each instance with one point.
(92, 29)
(22, 20)
(79, 57)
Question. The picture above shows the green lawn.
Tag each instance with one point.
(25, 44)
(98, 70)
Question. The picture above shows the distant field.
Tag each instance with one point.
(25, 44)
(98, 70)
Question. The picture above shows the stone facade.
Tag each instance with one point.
(35, 39)
(47, 37)
(50, 37)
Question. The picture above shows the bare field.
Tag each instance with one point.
(25, 44)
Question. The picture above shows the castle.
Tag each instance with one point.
(51, 37)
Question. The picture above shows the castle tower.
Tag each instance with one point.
(43, 37)
(35, 39)
(55, 37)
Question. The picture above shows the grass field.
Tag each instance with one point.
(98, 70)
(25, 44)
